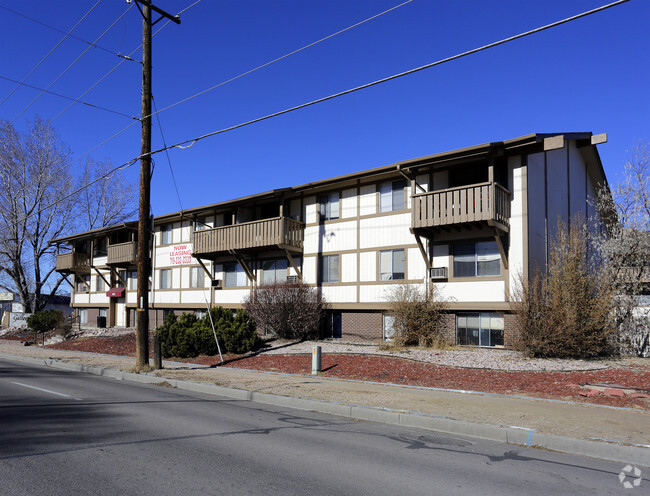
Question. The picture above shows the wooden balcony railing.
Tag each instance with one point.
(73, 262)
(122, 253)
(255, 235)
(473, 203)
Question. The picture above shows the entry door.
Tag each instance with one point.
(120, 312)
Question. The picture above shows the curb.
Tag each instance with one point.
(603, 450)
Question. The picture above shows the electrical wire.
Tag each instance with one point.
(94, 45)
(224, 82)
(169, 161)
(190, 142)
(284, 56)
(74, 62)
(52, 50)
(68, 98)
(114, 68)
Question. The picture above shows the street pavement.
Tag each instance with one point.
(616, 434)
(70, 433)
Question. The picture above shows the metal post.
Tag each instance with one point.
(316, 360)
(157, 356)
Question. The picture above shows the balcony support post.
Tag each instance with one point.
(244, 265)
(293, 264)
(117, 275)
(65, 278)
(102, 276)
(424, 253)
(205, 269)
(504, 258)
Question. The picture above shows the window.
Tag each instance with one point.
(479, 329)
(391, 196)
(332, 325)
(391, 265)
(201, 224)
(100, 284)
(121, 279)
(166, 234)
(167, 313)
(83, 315)
(197, 277)
(388, 322)
(477, 259)
(328, 270)
(235, 275)
(103, 312)
(100, 247)
(133, 280)
(83, 283)
(165, 278)
(274, 271)
(329, 206)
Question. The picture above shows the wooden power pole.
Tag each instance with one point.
(144, 223)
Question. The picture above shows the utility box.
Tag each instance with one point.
(101, 321)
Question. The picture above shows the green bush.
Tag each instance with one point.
(188, 336)
(44, 321)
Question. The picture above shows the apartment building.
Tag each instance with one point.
(468, 223)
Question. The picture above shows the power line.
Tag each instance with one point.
(190, 142)
(68, 98)
(284, 56)
(113, 69)
(194, 140)
(52, 50)
(169, 161)
(92, 44)
(74, 62)
(224, 82)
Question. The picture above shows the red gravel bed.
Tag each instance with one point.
(554, 385)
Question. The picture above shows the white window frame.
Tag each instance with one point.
(330, 206)
(478, 258)
(387, 265)
(197, 277)
(240, 279)
(165, 279)
(328, 270)
(391, 195)
(166, 234)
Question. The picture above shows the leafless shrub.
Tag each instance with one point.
(288, 310)
(567, 313)
(418, 319)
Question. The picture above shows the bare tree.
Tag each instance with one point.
(37, 204)
(109, 200)
(625, 248)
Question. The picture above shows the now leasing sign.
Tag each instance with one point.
(180, 254)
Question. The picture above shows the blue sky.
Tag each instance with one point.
(589, 75)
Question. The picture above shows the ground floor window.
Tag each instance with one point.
(83, 315)
(388, 327)
(332, 325)
(479, 329)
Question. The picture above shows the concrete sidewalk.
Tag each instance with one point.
(609, 433)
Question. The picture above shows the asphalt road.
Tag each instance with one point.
(64, 433)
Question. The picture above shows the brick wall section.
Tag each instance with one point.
(449, 328)
(510, 332)
(362, 326)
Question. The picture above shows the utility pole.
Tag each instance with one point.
(144, 223)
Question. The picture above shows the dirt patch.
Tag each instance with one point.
(394, 370)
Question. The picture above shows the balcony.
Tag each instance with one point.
(122, 254)
(259, 235)
(485, 203)
(73, 262)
